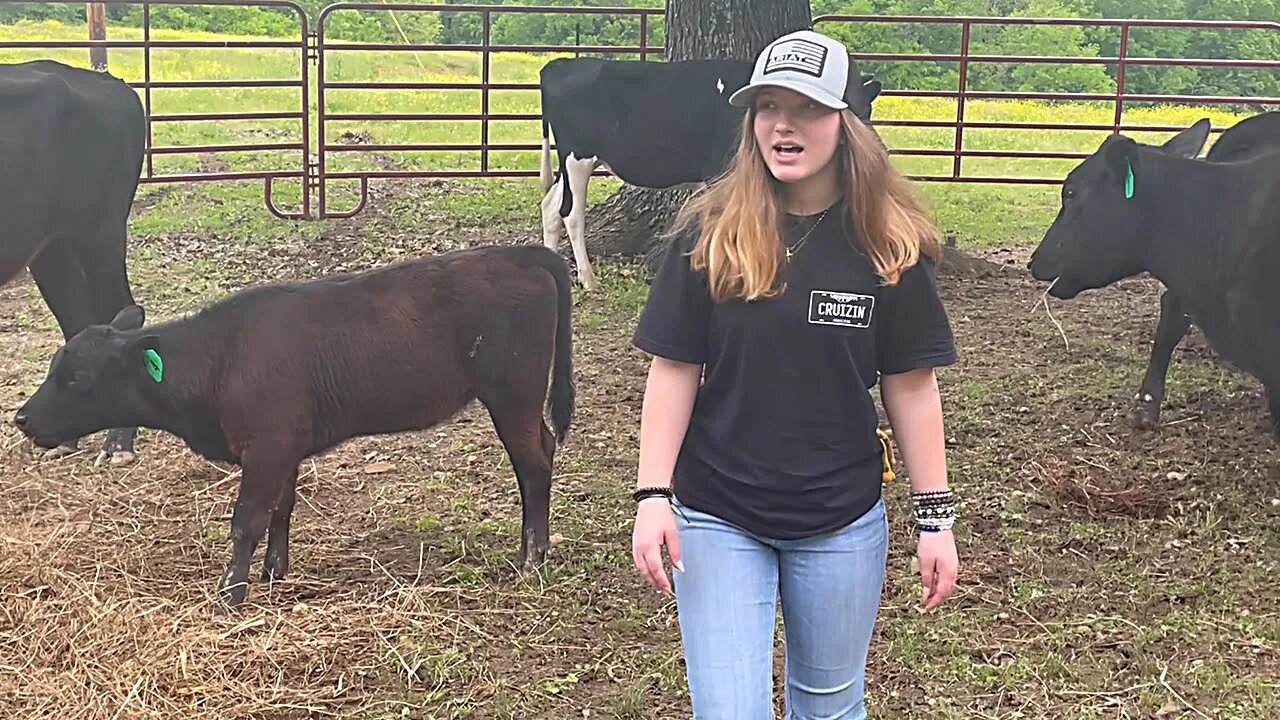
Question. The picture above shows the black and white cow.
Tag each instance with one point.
(1208, 229)
(653, 124)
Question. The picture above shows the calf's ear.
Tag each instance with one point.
(139, 355)
(1122, 159)
(130, 317)
(1189, 142)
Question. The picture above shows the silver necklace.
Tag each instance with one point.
(791, 250)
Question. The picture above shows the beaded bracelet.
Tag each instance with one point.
(648, 492)
(935, 510)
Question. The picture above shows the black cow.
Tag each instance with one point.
(272, 375)
(72, 144)
(1208, 229)
(654, 124)
(1257, 134)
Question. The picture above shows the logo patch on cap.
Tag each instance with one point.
(797, 54)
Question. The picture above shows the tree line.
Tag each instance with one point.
(544, 29)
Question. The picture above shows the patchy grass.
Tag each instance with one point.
(1107, 572)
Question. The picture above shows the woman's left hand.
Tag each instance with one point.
(938, 567)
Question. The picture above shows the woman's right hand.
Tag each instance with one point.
(655, 527)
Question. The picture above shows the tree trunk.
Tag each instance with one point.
(630, 221)
(699, 29)
(96, 15)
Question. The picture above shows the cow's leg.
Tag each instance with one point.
(579, 173)
(62, 284)
(552, 223)
(103, 258)
(1170, 330)
(524, 436)
(1273, 408)
(266, 471)
(276, 564)
(1250, 305)
(17, 251)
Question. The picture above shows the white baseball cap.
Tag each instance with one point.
(805, 61)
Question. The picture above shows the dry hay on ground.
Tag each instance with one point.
(401, 598)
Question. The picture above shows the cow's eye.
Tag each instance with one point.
(1068, 193)
(78, 380)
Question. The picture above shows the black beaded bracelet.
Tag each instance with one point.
(935, 510)
(648, 492)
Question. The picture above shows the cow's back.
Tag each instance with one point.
(385, 350)
(89, 132)
(1234, 299)
(1256, 134)
(650, 121)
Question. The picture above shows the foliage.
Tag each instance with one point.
(1065, 41)
(466, 27)
(965, 209)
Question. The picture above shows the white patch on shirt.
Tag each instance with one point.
(828, 307)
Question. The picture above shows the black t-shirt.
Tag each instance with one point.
(782, 438)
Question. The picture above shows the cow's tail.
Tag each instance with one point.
(545, 172)
(560, 401)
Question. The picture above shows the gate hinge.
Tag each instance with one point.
(313, 47)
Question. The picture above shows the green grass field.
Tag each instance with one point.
(977, 214)
(1106, 573)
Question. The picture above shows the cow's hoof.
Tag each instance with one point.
(63, 450)
(117, 448)
(232, 598)
(533, 563)
(117, 458)
(275, 568)
(1145, 414)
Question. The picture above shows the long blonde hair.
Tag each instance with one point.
(738, 215)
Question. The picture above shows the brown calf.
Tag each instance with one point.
(274, 374)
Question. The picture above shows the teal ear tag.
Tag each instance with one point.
(1128, 184)
(155, 366)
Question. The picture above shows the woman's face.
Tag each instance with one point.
(797, 136)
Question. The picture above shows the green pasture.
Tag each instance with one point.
(977, 214)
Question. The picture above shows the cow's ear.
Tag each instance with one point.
(130, 317)
(140, 356)
(1189, 142)
(1122, 159)
(871, 89)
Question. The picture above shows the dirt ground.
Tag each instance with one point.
(1106, 572)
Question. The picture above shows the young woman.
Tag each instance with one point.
(796, 282)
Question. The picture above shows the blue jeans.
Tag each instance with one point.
(726, 598)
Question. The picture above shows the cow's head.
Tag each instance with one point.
(1096, 238)
(92, 382)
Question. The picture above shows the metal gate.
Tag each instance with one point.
(488, 49)
(484, 84)
(1123, 61)
(315, 158)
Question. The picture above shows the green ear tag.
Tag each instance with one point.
(1128, 184)
(155, 366)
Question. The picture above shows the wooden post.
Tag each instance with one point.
(97, 16)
